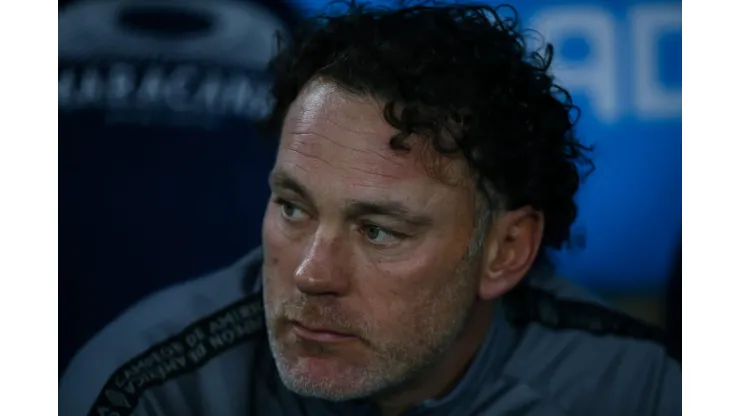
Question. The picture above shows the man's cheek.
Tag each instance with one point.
(281, 259)
(274, 241)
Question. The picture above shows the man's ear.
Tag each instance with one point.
(511, 247)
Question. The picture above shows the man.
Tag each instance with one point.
(426, 161)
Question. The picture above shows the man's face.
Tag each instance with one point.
(367, 275)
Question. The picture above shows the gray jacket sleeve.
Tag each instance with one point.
(668, 394)
(150, 346)
(592, 360)
(145, 324)
(89, 371)
(641, 381)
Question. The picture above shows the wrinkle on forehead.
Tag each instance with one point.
(301, 138)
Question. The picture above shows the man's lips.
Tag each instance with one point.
(319, 334)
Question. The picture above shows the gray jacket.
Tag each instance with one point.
(200, 349)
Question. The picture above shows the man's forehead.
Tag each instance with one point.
(327, 128)
(325, 109)
(328, 122)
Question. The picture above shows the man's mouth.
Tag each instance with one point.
(318, 333)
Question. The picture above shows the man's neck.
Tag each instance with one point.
(445, 375)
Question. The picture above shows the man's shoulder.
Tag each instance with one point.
(165, 334)
(589, 357)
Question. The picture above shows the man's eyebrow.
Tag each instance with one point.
(282, 179)
(355, 209)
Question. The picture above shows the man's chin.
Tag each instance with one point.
(325, 378)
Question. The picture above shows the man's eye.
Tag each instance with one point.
(290, 211)
(380, 236)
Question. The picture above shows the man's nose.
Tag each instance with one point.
(321, 271)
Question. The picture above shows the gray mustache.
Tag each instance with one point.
(310, 313)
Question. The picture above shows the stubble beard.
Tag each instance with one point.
(390, 368)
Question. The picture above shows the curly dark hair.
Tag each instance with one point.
(459, 71)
